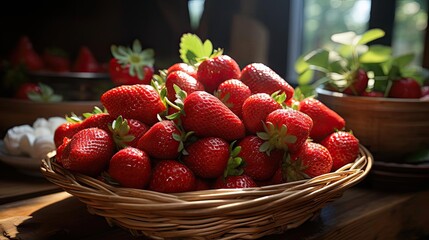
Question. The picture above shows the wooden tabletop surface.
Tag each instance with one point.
(32, 208)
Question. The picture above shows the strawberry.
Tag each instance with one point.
(359, 82)
(425, 91)
(286, 129)
(325, 120)
(127, 132)
(277, 178)
(207, 116)
(25, 54)
(62, 150)
(213, 71)
(207, 157)
(311, 160)
(262, 79)
(131, 65)
(170, 176)
(256, 109)
(162, 140)
(233, 93)
(139, 101)
(201, 184)
(65, 130)
(85, 61)
(405, 88)
(130, 167)
(56, 60)
(343, 147)
(189, 69)
(88, 152)
(39, 93)
(26, 88)
(240, 181)
(184, 81)
(258, 165)
(98, 120)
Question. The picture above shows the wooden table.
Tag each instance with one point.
(33, 208)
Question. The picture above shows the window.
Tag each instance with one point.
(404, 21)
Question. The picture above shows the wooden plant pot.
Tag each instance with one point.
(390, 128)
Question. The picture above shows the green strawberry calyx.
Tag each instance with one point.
(293, 170)
(275, 138)
(46, 94)
(120, 130)
(193, 50)
(178, 103)
(181, 138)
(135, 58)
(235, 163)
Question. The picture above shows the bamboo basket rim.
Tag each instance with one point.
(216, 213)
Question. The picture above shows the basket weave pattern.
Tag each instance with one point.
(213, 214)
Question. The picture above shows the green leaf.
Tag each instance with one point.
(403, 60)
(319, 58)
(376, 54)
(345, 38)
(192, 48)
(301, 66)
(370, 36)
(306, 77)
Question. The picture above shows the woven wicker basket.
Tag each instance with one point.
(210, 214)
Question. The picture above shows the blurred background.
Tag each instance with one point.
(274, 32)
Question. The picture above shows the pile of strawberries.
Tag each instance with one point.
(205, 123)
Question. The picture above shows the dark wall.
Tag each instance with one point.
(158, 24)
(96, 24)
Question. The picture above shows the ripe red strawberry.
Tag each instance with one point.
(213, 71)
(131, 65)
(65, 130)
(241, 181)
(162, 140)
(120, 75)
(256, 109)
(184, 81)
(201, 184)
(207, 116)
(425, 91)
(26, 88)
(359, 83)
(405, 88)
(233, 93)
(98, 120)
(90, 151)
(62, 150)
(311, 160)
(262, 79)
(56, 60)
(286, 129)
(207, 157)
(85, 61)
(343, 147)
(25, 54)
(190, 70)
(325, 120)
(258, 165)
(130, 167)
(139, 101)
(170, 176)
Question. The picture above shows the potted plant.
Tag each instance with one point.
(381, 96)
